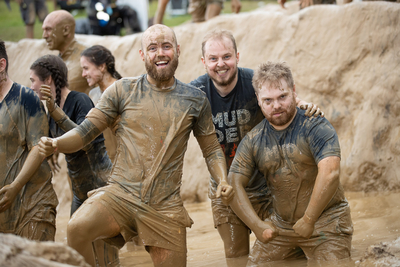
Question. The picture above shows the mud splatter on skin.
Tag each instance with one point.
(32, 214)
(288, 159)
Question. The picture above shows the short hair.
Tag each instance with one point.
(218, 34)
(3, 53)
(272, 73)
(54, 66)
(99, 55)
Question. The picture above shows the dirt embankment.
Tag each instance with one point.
(344, 58)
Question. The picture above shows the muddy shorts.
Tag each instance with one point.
(30, 8)
(139, 222)
(260, 199)
(197, 8)
(331, 240)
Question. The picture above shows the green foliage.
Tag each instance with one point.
(12, 27)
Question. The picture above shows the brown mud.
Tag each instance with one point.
(344, 58)
(375, 218)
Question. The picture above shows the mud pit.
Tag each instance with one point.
(375, 218)
(345, 58)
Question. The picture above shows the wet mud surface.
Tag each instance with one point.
(375, 217)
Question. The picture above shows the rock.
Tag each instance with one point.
(344, 58)
(16, 251)
(384, 254)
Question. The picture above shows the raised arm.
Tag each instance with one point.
(59, 116)
(216, 164)
(325, 187)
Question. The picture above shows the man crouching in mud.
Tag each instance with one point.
(142, 199)
(300, 159)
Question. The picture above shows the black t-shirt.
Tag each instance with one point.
(87, 169)
(235, 114)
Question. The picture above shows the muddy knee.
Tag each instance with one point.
(165, 257)
(77, 232)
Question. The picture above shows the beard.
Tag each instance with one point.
(225, 82)
(285, 117)
(164, 74)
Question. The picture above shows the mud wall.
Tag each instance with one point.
(344, 58)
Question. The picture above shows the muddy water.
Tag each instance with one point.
(376, 218)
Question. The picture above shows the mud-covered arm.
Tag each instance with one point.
(9, 192)
(62, 120)
(58, 115)
(241, 205)
(216, 164)
(326, 184)
(77, 138)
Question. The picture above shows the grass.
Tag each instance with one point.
(12, 27)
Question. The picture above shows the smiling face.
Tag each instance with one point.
(91, 72)
(160, 53)
(53, 32)
(278, 104)
(220, 61)
(35, 83)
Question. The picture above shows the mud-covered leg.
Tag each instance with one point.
(262, 253)
(106, 254)
(236, 239)
(90, 222)
(329, 248)
(39, 231)
(167, 258)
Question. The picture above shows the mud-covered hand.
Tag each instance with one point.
(304, 227)
(8, 194)
(267, 233)
(53, 162)
(47, 146)
(48, 97)
(282, 3)
(311, 109)
(236, 6)
(225, 192)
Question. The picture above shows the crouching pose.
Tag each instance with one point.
(300, 159)
(142, 201)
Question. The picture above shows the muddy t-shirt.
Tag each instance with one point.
(85, 174)
(288, 159)
(153, 133)
(23, 122)
(234, 115)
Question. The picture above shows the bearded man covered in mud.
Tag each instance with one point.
(59, 34)
(142, 200)
(235, 112)
(300, 159)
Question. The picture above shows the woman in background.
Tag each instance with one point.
(88, 168)
(98, 67)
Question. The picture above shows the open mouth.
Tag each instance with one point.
(221, 72)
(162, 63)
